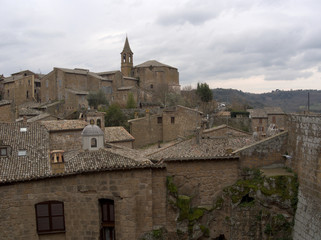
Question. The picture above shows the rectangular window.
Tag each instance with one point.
(50, 217)
(23, 129)
(3, 152)
(159, 120)
(22, 152)
(107, 219)
(172, 120)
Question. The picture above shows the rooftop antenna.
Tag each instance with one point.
(308, 102)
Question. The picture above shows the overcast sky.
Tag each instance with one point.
(251, 45)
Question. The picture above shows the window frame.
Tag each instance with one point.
(159, 120)
(109, 222)
(93, 142)
(50, 216)
(6, 149)
(172, 120)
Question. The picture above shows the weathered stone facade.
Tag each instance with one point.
(171, 124)
(7, 111)
(305, 150)
(138, 204)
(22, 87)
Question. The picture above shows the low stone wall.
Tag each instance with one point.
(263, 153)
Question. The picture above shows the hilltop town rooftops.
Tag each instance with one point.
(152, 63)
(27, 155)
(117, 134)
(211, 147)
(63, 125)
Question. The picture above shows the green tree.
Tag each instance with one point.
(96, 98)
(114, 116)
(131, 103)
(204, 92)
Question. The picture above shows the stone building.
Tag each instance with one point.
(72, 87)
(169, 125)
(65, 134)
(177, 192)
(267, 119)
(119, 136)
(74, 194)
(22, 87)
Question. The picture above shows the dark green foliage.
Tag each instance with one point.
(289, 101)
(204, 92)
(97, 98)
(131, 103)
(243, 113)
(114, 116)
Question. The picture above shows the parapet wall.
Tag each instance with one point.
(305, 148)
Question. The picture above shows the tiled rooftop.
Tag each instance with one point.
(36, 163)
(61, 125)
(212, 147)
(35, 141)
(117, 134)
(153, 63)
(5, 102)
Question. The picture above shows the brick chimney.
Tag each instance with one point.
(57, 161)
(198, 135)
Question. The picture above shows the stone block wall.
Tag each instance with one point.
(202, 181)
(146, 130)
(7, 113)
(132, 192)
(265, 152)
(66, 140)
(305, 149)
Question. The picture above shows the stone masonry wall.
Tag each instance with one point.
(7, 113)
(132, 192)
(66, 140)
(201, 180)
(263, 153)
(305, 149)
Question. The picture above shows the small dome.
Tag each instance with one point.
(92, 130)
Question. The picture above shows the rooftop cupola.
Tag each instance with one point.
(92, 137)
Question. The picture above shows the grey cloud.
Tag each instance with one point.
(194, 17)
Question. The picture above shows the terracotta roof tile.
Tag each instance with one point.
(36, 163)
(61, 125)
(117, 134)
(207, 148)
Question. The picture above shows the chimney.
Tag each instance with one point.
(57, 161)
(198, 135)
(24, 119)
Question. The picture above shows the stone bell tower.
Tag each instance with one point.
(126, 60)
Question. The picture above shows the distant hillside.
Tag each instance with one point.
(289, 101)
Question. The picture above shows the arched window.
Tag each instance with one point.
(27, 94)
(99, 123)
(50, 217)
(93, 142)
(124, 57)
